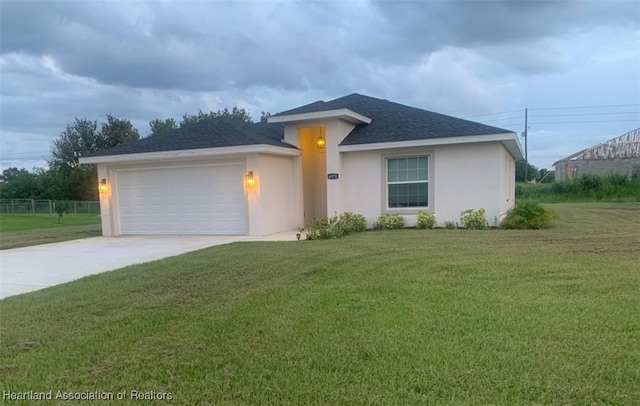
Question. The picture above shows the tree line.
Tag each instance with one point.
(66, 179)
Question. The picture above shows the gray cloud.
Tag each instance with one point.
(423, 27)
(143, 60)
(218, 46)
(168, 47)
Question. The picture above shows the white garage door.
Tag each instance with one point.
(186, 200)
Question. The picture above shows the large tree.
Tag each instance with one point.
(116, 131)
(69, 179)
(160, 126)
(78, 139)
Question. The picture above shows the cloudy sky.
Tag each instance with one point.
(574, 64)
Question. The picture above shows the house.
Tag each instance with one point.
(619, 155)
(353, 154)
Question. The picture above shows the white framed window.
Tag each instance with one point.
(408, 182)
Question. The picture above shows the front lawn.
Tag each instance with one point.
(387, 317)
(22, 230)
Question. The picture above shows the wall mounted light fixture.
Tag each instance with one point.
(321, 142)
(249, 180)
(103, 188)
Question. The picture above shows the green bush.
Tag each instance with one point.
(450, 225)
(389, 222)
(425, 220)
(528, 215)
(474, 219)
(353, 223)
(334, 227)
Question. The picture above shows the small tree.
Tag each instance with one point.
(61, 209)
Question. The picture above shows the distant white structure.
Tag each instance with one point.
(618, 155)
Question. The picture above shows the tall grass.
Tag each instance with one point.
(585, 188)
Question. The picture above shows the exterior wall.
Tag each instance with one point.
(467, 176)
(600, 167)
(361, 184)
(106, 205)
(275, 203)
(463, 176)
(507, 182)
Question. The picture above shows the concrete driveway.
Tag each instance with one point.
(31, 268)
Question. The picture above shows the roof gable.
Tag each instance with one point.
(214, 133)
(397, 122)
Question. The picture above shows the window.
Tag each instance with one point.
(408, 182)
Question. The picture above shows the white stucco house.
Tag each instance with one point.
(356, 153)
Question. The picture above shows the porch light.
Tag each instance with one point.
(103, 188)
(249, 180)
(321, 142)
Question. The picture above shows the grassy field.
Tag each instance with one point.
(21, 230)
(587, 188)
(389, 317)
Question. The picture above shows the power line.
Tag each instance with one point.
(501, 119)
(491, 114)
(559, 108)
(586, 107)
(587, 114)
(581, 122)
(520, 124)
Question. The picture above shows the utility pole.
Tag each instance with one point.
(526, 153)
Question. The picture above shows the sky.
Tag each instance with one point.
(575, 65)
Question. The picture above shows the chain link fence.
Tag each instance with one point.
(30, 206)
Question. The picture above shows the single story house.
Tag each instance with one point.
(353, 154)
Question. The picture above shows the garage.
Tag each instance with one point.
(188, 200)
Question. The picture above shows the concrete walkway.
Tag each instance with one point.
(31, 268)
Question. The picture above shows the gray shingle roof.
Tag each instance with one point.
(396, 122)
(390, 122)
(218, 132)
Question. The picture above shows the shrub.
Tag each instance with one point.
(353, 223)
(389, 222)
(450, 225)
(334, 227)
(528, 215)
(474, 219)
(425, 220)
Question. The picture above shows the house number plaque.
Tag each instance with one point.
(332, 176)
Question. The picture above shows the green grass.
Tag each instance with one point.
(22, 230)
(584, 189)
(387, 317)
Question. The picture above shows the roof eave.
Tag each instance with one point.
(193, 153)
(343, 114)
(509, 140)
